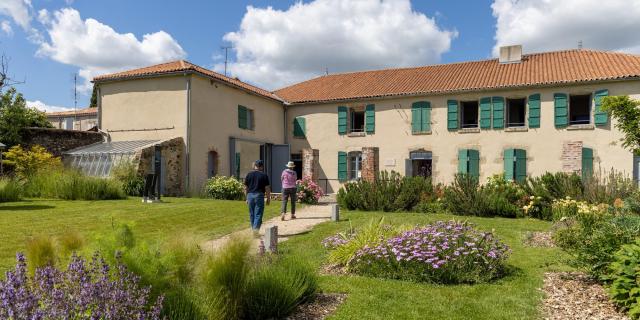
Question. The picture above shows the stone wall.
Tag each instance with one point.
(370, 164)
(58, 141)
(310, 163)
(572, 157)
(173, 154)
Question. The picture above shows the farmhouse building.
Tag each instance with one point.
(519, 114)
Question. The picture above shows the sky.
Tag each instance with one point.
(278, 43)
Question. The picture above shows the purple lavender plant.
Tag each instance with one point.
(444, 252)
(83, 291)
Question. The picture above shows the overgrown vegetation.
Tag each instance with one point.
(224, 188)
(26, 163)
(70, 184)
(126, 172)
(10, 190)
(624, 279)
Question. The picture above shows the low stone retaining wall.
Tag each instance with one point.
(58, 141)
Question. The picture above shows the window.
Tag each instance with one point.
(354, 165)
(68, 123)
(516, 110)
(469, 112)
(469, 162)
(420, 164)
(245, 118)
(515, 165)
(580, 109)
(357, 120)
(299, 127)
(420, 117)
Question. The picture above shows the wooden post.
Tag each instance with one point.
(335, 212)
(271, 239)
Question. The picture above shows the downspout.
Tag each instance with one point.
(188, 142)
(286, 125)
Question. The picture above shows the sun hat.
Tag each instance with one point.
(290, 164)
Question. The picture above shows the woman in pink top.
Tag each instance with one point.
(289, 189)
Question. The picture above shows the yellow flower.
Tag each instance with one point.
(618, 203)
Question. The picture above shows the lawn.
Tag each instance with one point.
(210, 218)
(513, 297)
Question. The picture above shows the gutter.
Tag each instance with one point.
(188, 142)
(286, 125)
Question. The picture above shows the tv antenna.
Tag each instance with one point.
(580, 44)
(226, 57)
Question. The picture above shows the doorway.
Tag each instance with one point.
(421, 163)
(212, 164)
(297, 160)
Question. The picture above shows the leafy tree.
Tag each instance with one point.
(15, 115)
(26, 163)
(626, 111)
(94, 97)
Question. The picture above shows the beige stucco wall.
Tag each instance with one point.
(144, 109)
(394, 138)
(214, 119)
(81, 123)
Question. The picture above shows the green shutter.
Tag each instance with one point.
(463, 161)
(521, 165)
(370, 118)
(420, 116)
(474, 163)
(498, 112)
(587, 162)
(534, 111)
(242, 117)
(601, 117)
(426, 116)
(561, 110)
(485, 113)
(342, 166)
(508, 164)
(342, 120)
(299, 127)
(452, 114)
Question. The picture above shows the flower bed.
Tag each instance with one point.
(444, 252)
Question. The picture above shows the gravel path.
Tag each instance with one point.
(307, 217)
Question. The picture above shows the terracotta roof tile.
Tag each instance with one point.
(547, 68)
(79, 112)
(183, 66)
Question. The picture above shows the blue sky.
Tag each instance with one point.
(276, 47)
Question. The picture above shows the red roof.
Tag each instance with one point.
(79, 112)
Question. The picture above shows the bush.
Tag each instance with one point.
(26, 163)
(445, 252)
(84, 290)
(10, 190)
(308, 191)
(504, 198)
(224, 188)
(345, 245)
(465, 197)
(624, 288)
(606, 187)
(68, 184)
(126, 172)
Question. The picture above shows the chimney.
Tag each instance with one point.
(511, 54)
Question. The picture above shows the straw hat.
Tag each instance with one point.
(290, 164)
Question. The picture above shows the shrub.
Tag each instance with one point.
(40, 253)
(85, 290)
(429, 206)
(308, 191)
(126, 172)
(606, 187)
(445, 252)
(569, 208)
(464, 197)
(26, 163)
(224, 188)
(624, 288)
(70, 184)
(345, 249)
(10, 190)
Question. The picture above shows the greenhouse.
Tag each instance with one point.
(98, 159)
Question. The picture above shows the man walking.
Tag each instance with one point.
(289, 190)
(256, 184)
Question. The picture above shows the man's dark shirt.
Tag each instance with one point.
(256, 181)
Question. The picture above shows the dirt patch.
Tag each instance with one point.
(320, 307)
(332, 270)
(539, 239)
(573, 295)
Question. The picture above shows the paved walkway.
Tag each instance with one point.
(307, 217)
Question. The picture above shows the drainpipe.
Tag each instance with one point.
(99, 102)
(188, 142)
(286, 125)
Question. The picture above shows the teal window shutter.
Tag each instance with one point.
(420, 116)
(485, 113)
(561, 110)
(509, 171)
(426, 116)
(342, 166)
(498, 112)
(474, 163)
(463, 161)
(600, 117)
(342, 120)
(587, 163)
(299, 127)
(520, 165)
(452, 114)
(242, 118)
(370, 118)
(534, 111)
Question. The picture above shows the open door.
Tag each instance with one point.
(278, 157)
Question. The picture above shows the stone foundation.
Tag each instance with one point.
(311, 163)
(173, 155)
(572, 157)
(370, 162)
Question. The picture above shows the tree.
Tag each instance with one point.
(26, 163)
(626, 111)
(5, 79)
(15, 116)
(94, 97)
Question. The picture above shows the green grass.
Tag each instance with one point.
(20, 221)
(513, 297)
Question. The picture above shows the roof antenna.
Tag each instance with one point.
(226, 56)
(579, 44)
(326, 71)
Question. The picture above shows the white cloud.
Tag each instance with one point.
(551, 25)
(45, 107)
(18, 10)
(96, 48)
(275, 48)
(5, 26)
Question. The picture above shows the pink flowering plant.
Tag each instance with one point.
(85, 290)
(444, 252)
(308, 191)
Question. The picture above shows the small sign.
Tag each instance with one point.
(390, 162)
